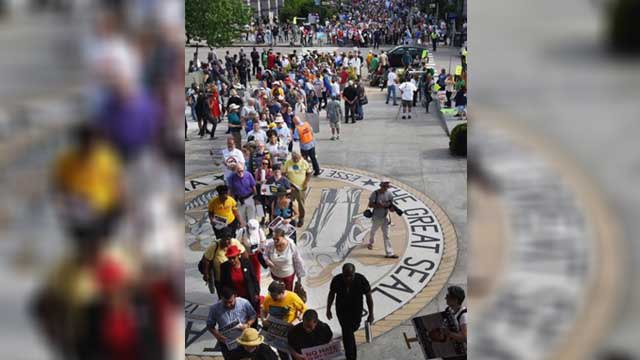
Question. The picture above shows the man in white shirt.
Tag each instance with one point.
(232, 157)
(407, 88)
(392, 79)
(259, 135)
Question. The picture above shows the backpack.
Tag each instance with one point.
(203, 259)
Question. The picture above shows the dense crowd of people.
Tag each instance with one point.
(363, 24)
(271, 101)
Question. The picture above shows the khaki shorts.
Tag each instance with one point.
(334, 125)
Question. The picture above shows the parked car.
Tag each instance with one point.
(396, 54)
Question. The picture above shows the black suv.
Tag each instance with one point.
(396, 54)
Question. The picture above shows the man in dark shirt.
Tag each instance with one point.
(350, 95)
(349, 288)
(307, 334)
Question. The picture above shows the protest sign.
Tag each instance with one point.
(433, 342)
(330, 351)
(232, 333)
(276, 334)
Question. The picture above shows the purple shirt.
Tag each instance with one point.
(130, 123)
(242, 187)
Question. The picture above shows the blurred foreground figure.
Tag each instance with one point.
(93, 305)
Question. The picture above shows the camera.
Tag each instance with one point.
(396, 210)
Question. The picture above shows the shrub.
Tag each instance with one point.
(458, 140)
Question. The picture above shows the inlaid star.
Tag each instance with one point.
(370, 182)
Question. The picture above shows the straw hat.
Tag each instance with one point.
(250, 337)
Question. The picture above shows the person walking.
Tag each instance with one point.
(298, 172)
(311, 332)
(227, 312)
(235, 124)
(283, 305)
(215, 255)
(304, 133)
(392, 80)
(223, 212)
(349, 288)
(252, 347)
(381, 201)
(457, 329)
(237, 273)
(334, 114)
(232, 156)
(283, 259)
(243, 188)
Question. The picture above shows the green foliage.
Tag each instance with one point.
(302, 8)
(299, 8)
(218, 22)
(623, 18)
(458, 140)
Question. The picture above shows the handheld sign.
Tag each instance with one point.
(431, 336)
(330, 351)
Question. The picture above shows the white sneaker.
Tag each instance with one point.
(338, 137)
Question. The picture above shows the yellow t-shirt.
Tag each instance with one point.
(286, 308)
(225, 209)
(95, 178)
(220, 256)
(297, 172)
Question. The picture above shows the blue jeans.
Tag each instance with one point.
(359, 111)
(391, 90)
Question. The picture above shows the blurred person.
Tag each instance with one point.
(348, 288)
(350, 96)
(235, 124)
(258, 135)
(227, 311)
(304, 134)
(232, 157)
(449, 86)
(407, 90)
(285, 135)
(278, 151)
(203, 113)
(215, 255)
(298, 172)
(309, 333)
(243, 188)
(254, 239)
(461, 103)
(89, 187)
(283, 305)
(381, 201)
(392, 81)
(457, 329)
(258, 156)
(283, 208)
(334, 115)
(361, 101)
(223, 212)
(252, 347)
(284, 260)
(237, 273)
(215, 104)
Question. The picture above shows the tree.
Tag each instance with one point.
(218, 22)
